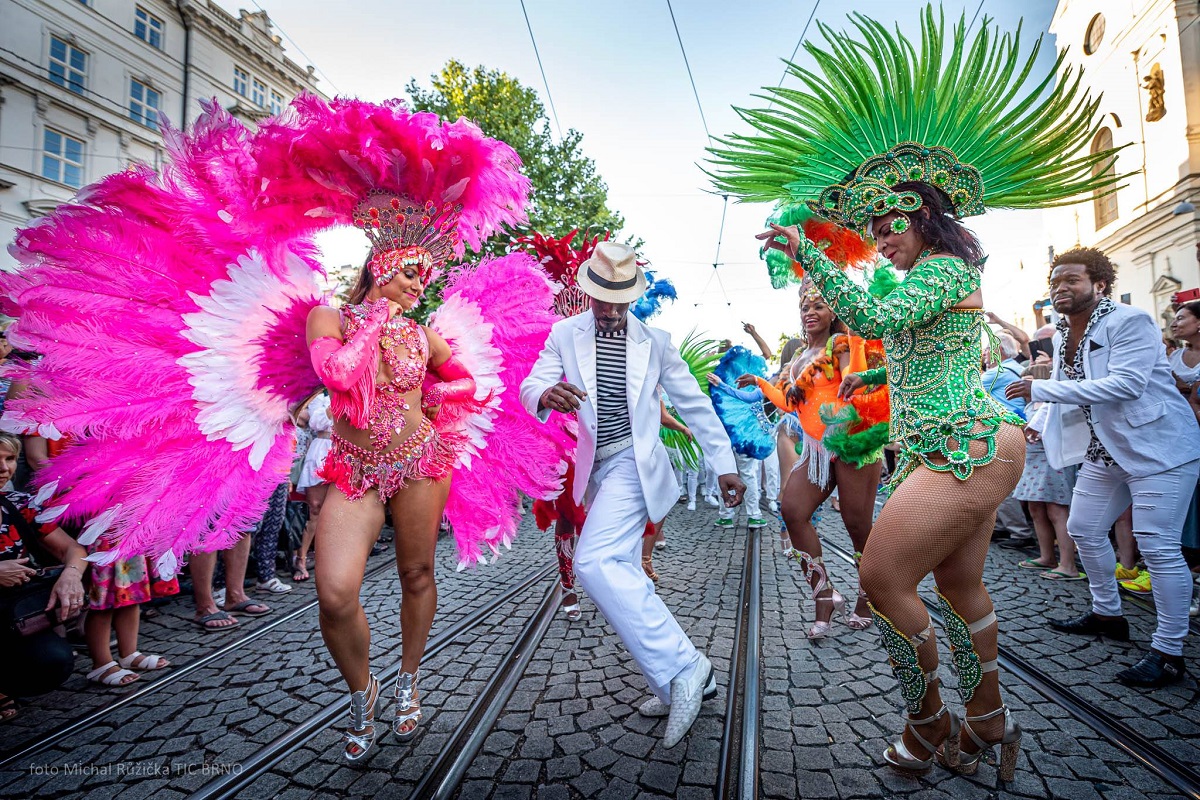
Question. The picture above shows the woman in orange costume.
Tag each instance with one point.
(842, 441)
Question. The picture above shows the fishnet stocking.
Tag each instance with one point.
(934, 522)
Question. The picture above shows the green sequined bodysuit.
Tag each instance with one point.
(934, 357)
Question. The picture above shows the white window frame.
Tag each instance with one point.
(146, 113)
(278, 103)
(68, 69)
(258, 93)
(241, 81)
(60, 158)
(151, 26)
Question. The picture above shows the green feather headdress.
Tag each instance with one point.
(961, 116)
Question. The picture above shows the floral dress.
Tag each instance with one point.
(128, 582)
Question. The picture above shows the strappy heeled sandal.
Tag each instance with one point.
(361, 737)
(1010, 746)
(408, 707)
(814, 566)
(571, 609)
(648, 567)
(855, 621)
(899, 757)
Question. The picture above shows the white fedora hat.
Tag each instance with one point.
(612, 274)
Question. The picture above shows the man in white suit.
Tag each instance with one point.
(1116, 410)
(606, 366)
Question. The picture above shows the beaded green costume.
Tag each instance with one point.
(933, 359)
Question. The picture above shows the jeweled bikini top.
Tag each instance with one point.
(405, 350)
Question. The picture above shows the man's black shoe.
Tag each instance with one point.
(1091, 625)
(1022, 543)
(1153, 671)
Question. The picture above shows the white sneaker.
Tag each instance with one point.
(687, 693)
(691, 505)
(274, 586)
(1194, 608)
(712, 501)
(773, 506)
(219, 597)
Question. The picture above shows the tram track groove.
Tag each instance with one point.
(267, 757)
(176, 674)
(737, 766)
(448, 769)
(1171, 769)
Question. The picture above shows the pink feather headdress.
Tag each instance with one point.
(418, 187)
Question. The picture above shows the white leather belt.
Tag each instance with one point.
(610, 450)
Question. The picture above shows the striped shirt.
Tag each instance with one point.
(612, 406)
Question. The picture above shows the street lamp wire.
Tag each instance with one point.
(537, 54)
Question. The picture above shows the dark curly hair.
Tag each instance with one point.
(939, 228)
(1098, 267)
(1192, 308)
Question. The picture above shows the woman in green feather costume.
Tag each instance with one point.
(899, 140)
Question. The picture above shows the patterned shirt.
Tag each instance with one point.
(15, 530)
(1074, 371)
(612, 405)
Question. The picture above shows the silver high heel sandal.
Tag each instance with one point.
(572, 610)
(854, 621)
(361, 736)
(901, 758)
(814, 566)
(1010, 746)
(406, 689)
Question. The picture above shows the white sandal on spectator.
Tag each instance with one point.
(114, 679)
(146, 663)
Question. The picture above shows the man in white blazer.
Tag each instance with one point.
(1116, 410)
(606, 367)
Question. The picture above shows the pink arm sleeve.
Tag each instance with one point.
(341, 365)
(456, 384)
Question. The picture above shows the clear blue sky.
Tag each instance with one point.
(616, 74)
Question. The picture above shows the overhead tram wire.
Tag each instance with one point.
(703, 121)
(978, 8)
(303, 55)
(796, 49)
(537, 54)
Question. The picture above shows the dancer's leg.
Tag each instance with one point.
(858, 488)
(800, 499)
(954, 519)
(608, 566)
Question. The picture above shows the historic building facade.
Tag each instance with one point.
(82, 83)
(1144, 58)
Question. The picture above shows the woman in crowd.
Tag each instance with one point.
(320, 426)
(36, 659)
(1048, 493)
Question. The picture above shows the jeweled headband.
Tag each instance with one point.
(404, 235)
(869, 193)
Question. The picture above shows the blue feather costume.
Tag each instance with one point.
(650, 303)
(742, 412)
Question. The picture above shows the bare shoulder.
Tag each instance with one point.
(324, 321)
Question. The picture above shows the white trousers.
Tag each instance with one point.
(608, 565)
(748, 470)
(1159, 505)
(689, 482)
(771, 477)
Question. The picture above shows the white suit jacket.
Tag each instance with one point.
(1142, 420)
(650, 361)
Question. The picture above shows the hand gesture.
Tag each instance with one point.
(992, 318)
(732, 489)
(15, 572)
(67, 595)
(850, 384)
(746, 380)
(795, 395)
(1020, 390)
(748, 328)
(563, 398)
(713, 380)
(790, 233)
(1032, 436)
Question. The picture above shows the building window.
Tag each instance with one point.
(62, 158)
(144, 104)
(148, 27)
(277, 103)
(1105, 204)
(241, 81)
(1094, 35)
(258, 93)
(68, 65)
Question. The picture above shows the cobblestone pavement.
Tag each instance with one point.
(571, 729)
